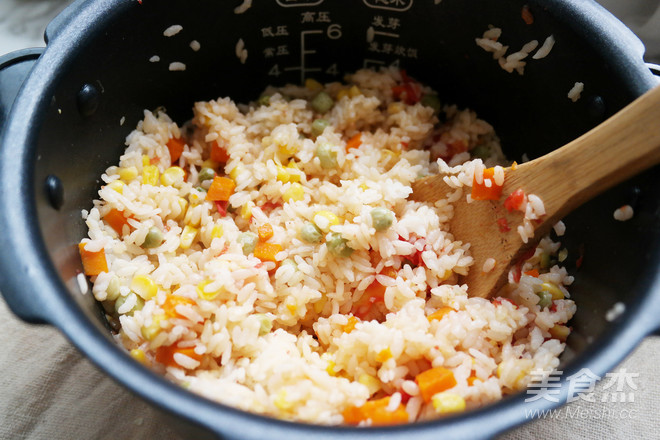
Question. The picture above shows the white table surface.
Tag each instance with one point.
(49, 391)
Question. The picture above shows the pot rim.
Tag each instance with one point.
(26, 254)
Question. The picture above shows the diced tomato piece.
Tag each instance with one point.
(503, 224)
(218, 153)
(515, 200)
(482, 192)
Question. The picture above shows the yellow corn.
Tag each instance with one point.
(372, 383)
(236, 171)
(127, 174)
(288, 149)
(364, 187)
(187, 237)
(152, 330)
(172, 176)
(206, 295)
(313, 85)
(246, 210)
(208, 163)
(281, 402)
(324, 220)
(138, 355)
(342, 93)
(183, 205)
(394, 108)
(446, 403)
(294, 193)
(217, 231)
(331, 368)
(150, 175)
(282, 174)
(145, 160)
(354, 91)
(144, 286)
(554, 290)
(384, 355)
(294, 176)
(117, 185)
(292, 308)
(320, 304)
(560, 332)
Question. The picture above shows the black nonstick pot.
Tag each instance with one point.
(76, 101)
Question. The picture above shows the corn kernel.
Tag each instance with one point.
(324, 220)
(320, 305)
(281, 402)
(288, 149)
(146, 160)
(292, 308)
(144, 286)
(372, 383)
(172, 176)
(354, 91)
(203, 293)
(150, 175)
(295, 175)
(282, 174)
(294, 193)
(138, 355)
(127, 174)
(446, 403)
(183, 205)
(246, 210)
(384, 355)
(364, 187)
(342, 94)
(554, 290)
(560, 332)
(331, 368)
(217, 231)
(208, 163)
(187, 236)
(117, 185)
(151, 331)
(236, 171)
(313, 85)
(394, 108)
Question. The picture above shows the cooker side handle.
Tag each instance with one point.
(14, 68)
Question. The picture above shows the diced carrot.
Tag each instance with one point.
(354, 142)
(116, 220)
(265, 232)
(175, 146)
(376, 411)
(169, 306)
(93, 262)
(384, 355)
(532, 273)
(350, 325)
(515, 200)
(434, 381)
(218, 153)
(165, 354)
(267, 251)
(221, 189)
(471, 379)
(526, 15)
(482, 192)
(373, 294)
(439, 314)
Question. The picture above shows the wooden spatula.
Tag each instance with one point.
(622, 146)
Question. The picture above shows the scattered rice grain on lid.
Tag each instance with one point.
(624, 213)
(172, 30)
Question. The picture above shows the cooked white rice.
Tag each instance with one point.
(576, 91)
(316, 331)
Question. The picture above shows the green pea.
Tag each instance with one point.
(264, 100)
(139, 303)
(112, 291)
(206, 174)
(327, 157)
(265, 324)
(248, 241)
(322, 102)
(318, 126)
(337, 245)
(154, 238)
(289, 262)
(201, 189)
(545, 299)
(310, 233)
(482, 151)
(432, 101)
(382, 218)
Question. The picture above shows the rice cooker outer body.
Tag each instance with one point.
(108, 60)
